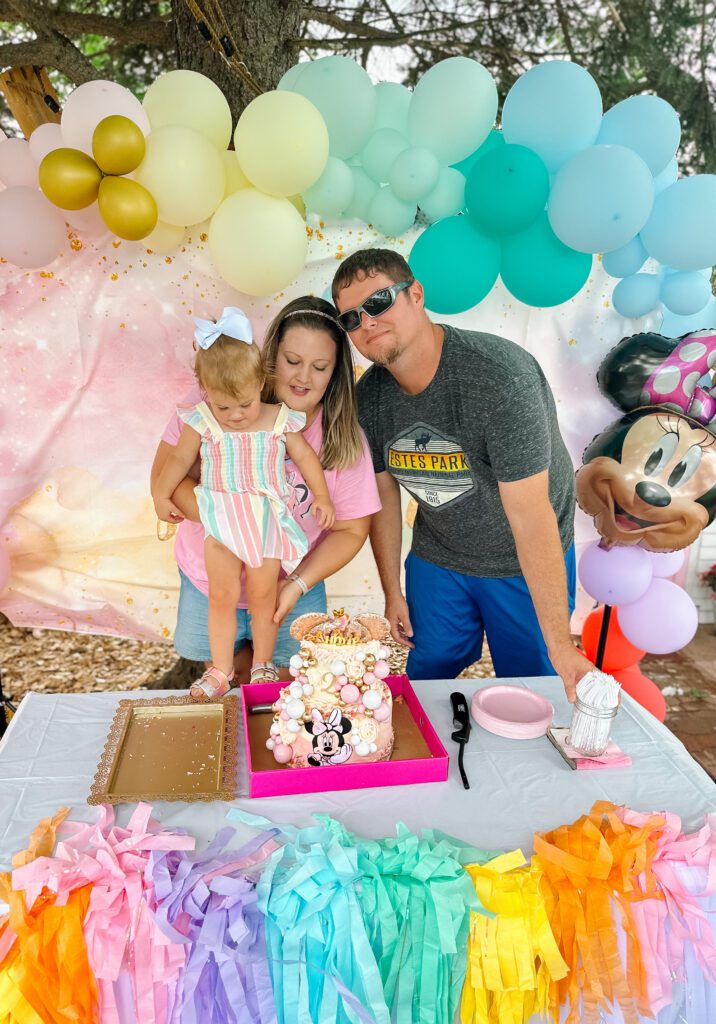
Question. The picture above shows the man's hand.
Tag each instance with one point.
(571, 665)
(167, 511)
(397, 614)
(288, 593)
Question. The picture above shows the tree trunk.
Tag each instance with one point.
(262, 30)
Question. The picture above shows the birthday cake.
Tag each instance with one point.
(337, 709)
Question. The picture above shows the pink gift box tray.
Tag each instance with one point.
(418, 756)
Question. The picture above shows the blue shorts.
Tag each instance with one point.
(450, 614)
(191, 636)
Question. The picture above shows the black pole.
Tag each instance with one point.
(601, 646)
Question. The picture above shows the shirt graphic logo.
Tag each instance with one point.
(431, 466)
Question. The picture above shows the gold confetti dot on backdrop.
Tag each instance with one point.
(75, 244)
(168, 259)
(572, 341)
(114, 277)
(116, 244)
(203, 237)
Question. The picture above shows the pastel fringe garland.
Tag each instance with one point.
(616, 911)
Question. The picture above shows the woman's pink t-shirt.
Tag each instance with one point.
(353, 491)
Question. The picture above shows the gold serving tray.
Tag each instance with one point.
(169, 748)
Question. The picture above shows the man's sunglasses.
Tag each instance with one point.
(377, 303)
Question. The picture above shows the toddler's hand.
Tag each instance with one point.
(167, 511)
(325, 512)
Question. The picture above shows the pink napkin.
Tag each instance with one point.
(613, 757)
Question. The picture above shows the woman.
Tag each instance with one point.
(311, 370)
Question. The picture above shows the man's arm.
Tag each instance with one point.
(539, 550)
(386, 533)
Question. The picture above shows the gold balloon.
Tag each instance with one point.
(118, 145)
(69, 178)
(127, 208)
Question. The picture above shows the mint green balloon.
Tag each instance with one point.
(506, 190)
(456, 265)
(389, 214)
(414, 174)
(393, 102)
(538, 269)
(380, 152)
(448, 196)
(333, 191)
(494, 140)
(364, 192)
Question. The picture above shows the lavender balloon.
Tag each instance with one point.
(662, 621)
(617, 575)
(666, 563)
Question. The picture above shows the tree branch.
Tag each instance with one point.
(150, 31)
(58, 51)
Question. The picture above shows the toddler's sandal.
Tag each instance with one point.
(214, 683)
(264, 672)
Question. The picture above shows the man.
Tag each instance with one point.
(466, 422)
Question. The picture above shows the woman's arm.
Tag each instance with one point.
(183, 496)
(176, 465)
(334, 551)
(309, 465)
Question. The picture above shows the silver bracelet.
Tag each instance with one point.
(295, 578)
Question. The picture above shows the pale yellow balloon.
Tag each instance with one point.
(258, 243)
(127, 208)
(184, 173)
(235, 177)
(165, 238)
(191, 100)
(299, 204)
(281, 141)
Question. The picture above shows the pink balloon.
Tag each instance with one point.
(615, 576)
(43, 140)
(662, 621)
(91, 103)
(666, 563)
(16, 164)
(87, 221)
(32, 230)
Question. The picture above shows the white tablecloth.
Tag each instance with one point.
(49, 756)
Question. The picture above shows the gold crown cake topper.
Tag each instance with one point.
(340, 629)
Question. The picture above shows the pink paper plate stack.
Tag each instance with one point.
(512, 711)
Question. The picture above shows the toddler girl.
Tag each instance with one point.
(243, 495)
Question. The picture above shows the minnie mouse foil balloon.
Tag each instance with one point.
(650, 478)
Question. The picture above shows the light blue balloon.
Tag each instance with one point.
(287, 81)
(625, 261)
(636, 296)
(685, 292)
(392, 110)
(453, 108)
(345, 96)
(554, 109)
(456, 265)
(493, 141)
(448, 196)
(380, 152)
(538, 269)
(673, 326)
(648, 125)
(414, 174)
(681, 231)
(364, 192)
(333, 191)
(600, 199)
(667, 177)
(390, 215)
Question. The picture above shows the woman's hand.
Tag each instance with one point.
(167, 511)
(325, 512)
(287, 596)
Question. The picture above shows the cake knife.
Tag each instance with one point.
(461, 722)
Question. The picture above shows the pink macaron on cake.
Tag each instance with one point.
(337, 709)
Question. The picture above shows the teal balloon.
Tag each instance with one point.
(288, 80)
(554, 109)
(681, 231)
(380, 152)
(637, 295)
(685, 292)
(538, 269)
(627, 260)
(493, 141)
(345, 96)
(506, 190)
(390, 215)
(453, 108)
(648, 125)
(333, 191)
(667, 177)
(393, 101)
(673, 326)
(447, 198)
(364, 192)
(414, 174)
(456, 265)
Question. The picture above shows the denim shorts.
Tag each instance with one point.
(191, 636)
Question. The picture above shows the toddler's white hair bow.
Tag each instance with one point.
(233, 322)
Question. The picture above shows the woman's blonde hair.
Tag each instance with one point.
(230, 366)
(342, 442)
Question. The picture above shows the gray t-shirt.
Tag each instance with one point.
(488, 414)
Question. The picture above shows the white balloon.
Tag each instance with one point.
(91, 103)
(44, 139)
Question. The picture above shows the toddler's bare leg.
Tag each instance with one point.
(223, 570)
(261, 587)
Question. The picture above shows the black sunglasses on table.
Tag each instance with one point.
(377, 303)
